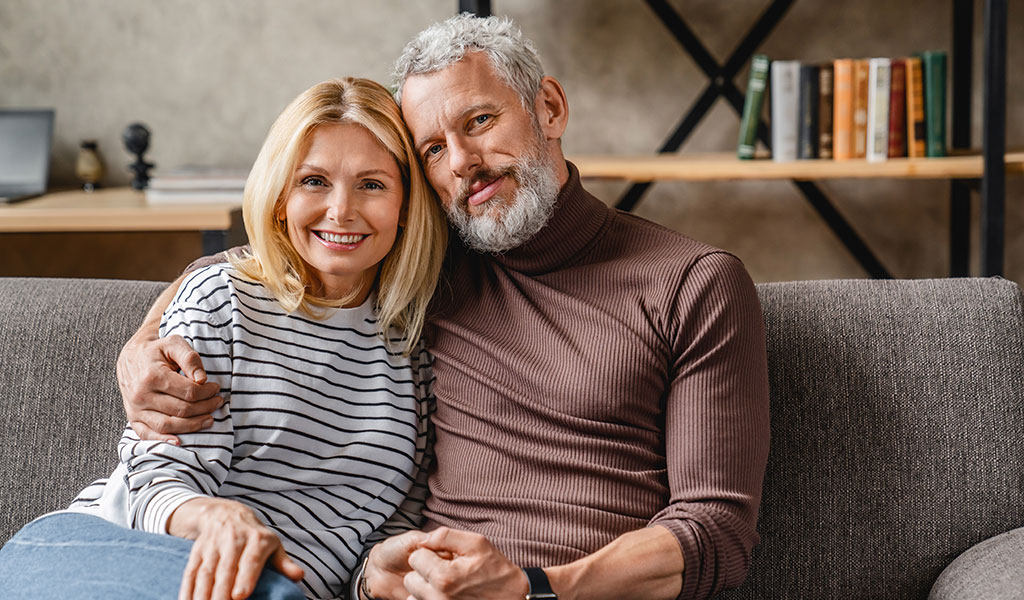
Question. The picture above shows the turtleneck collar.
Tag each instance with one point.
(575, 221)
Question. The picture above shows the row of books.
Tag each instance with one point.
(197, 185)
(873, 108)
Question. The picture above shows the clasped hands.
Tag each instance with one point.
(445, 564)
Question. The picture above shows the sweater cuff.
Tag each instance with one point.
(161, 506)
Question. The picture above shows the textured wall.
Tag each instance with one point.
(208, 77)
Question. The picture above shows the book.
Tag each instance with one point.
(186, 196)
(860, 108)
(842, 109)
(202, 178)
(807, 130)
(915, 108)
(197, 185)
(825, 110)
(897, 108)
(752, 106)
(785, 91)
(933, 65)
(878, 109)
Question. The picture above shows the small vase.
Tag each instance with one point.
(89, 166)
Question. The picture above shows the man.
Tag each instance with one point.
(601, 381)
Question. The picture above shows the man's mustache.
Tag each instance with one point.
(483, 175)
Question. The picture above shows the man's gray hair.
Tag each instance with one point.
(441, 45)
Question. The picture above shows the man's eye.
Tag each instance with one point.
(482, 119)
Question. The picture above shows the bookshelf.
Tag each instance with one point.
(988, 168)
(725, 166)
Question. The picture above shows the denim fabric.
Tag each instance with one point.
(67, 555)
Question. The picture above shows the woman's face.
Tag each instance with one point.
(343, 208)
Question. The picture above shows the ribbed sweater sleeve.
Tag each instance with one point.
(716, 424)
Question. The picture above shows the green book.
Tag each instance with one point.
(752, 106)
(933, 66)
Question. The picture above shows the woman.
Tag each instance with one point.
(321, 444)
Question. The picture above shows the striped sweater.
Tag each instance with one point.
(323, 432)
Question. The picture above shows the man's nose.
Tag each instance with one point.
(463, 157)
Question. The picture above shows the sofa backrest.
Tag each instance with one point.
(61, 409)
(897, 433)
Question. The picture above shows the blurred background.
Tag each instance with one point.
(209, 76)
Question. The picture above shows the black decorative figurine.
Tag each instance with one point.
(136, 140)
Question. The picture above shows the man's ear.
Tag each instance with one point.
(551, 108)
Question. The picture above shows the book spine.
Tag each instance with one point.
(915, 108)
(785, 92)
(807, 133)
(934, 67)
(860, 108)
(879, 89)
(756, 84)
(825, 111)
(898, 109)
(842, 109)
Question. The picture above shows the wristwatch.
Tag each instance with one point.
(540, 587)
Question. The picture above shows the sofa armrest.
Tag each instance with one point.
(990, 570)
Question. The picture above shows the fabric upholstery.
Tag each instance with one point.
(992, 570)
(897, 433)
(61, 409)
(897, 421)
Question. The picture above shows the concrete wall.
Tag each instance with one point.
(209, 76)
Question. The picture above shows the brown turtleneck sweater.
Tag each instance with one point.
(608, 375)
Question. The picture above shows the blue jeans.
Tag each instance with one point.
(70, 555)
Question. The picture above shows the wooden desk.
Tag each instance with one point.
(119, 209)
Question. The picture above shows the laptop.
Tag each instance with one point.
(25, 139)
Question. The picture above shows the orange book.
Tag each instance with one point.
(861, 69)
(842, 109)
(915, 109)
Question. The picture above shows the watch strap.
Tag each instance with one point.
(540, 587)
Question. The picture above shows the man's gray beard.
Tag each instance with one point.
(520, 219)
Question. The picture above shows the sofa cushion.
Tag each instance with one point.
(897, 433)
(62, 412)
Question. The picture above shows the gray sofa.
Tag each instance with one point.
(897, 421)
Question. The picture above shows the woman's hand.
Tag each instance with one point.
(231, 547)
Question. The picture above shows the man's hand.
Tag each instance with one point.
(389, 564)
(231, 547)
(453, 565)
(158, 400)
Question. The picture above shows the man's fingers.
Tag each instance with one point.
(431, 567)
(145, 433)
(418, 587)
(177, 352)
(448, 542)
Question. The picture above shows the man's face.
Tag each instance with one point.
(482, 151)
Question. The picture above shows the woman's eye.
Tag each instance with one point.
(313, 181)
(436, 148)
(373, 185)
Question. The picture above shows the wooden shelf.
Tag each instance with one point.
(725, 166)
(111, 209)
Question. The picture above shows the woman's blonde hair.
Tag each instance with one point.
(409, 272)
